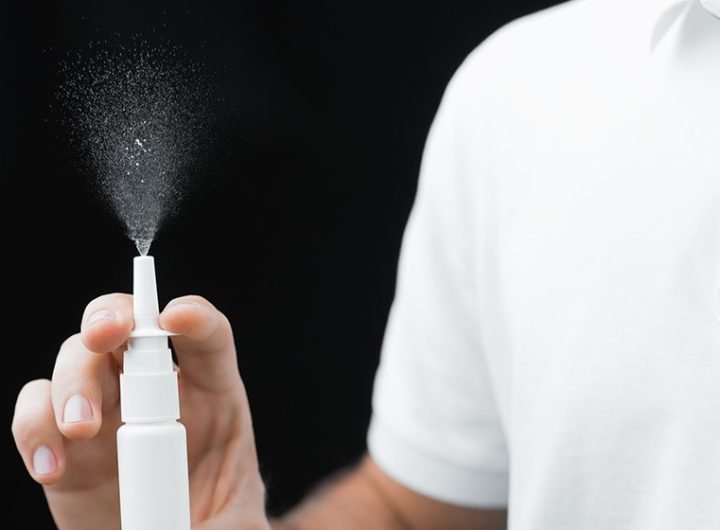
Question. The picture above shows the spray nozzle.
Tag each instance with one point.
(148, 384)
(148, 344)
(145, 299)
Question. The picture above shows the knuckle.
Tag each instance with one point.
(109, 300)
(225, 321)
(32, 386)
(70, 342)
(69, 350)
(27, 418)
(20, 429)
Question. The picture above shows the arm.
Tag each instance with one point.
(436, 423)
(70, 451)
(366, 497)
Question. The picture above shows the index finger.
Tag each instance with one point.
(107, 322)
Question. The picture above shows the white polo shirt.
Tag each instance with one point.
(554, 344)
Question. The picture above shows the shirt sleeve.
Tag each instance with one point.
(435, 425)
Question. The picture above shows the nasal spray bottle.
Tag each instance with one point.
(152, 446)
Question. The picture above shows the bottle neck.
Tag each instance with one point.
(147, 355)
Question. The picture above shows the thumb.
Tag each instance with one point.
(204, 343)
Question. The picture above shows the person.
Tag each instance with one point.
(552, 354)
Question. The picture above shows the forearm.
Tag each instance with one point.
(368, 498)
(351, 500)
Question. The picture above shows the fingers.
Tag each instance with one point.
(107, 322)
(204, 346)
(36, 435)
(83, 384)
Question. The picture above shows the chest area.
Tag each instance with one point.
(608, 249)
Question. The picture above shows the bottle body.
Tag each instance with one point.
(153, 476)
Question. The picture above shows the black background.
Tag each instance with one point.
(295, 237)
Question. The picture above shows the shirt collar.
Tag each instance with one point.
(661, 15)
(658, 8)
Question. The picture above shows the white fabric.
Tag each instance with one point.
(554, 343)
(713, 6)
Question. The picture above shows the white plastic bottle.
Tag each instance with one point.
(152, 447)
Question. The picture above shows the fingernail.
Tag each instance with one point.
(182, 303)
(102, 314)
(77, 409)
(44, 461)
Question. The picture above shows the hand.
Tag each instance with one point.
(65, 428)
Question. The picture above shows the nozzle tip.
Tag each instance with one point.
(145, 298)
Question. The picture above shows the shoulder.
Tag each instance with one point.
(572, 38)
